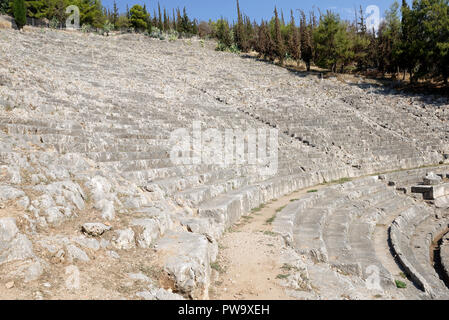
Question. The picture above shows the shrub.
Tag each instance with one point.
(54, 23)
(86, 28)
(400, 284)
(172, 37)
(223, 47)
(107, 27)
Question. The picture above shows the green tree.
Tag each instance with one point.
(138, 18)
(37, 8)
(90, 12)
(433, 17)
(19, 10)
(344, 47)
(324, 37)
(333, 44)
(408, 34)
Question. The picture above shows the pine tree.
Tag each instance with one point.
(19, 10)
(330, 41)
(138, 18)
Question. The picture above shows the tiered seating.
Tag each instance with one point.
(336, 224)
(411, 235)
(114, 103)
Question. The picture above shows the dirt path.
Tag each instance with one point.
(249, 260)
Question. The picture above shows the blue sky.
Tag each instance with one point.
(256, 9)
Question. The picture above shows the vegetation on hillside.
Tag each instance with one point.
(411, 40)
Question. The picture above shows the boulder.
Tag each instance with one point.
(187, 261)
(13, 244)
(94, 229)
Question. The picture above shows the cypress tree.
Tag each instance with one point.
(262, 41)
(195, 27)
(19, 10)
(115, 14)
(306, 41)
(166, 21)
(186, 25)
(279, 49)
(179, 21)
(294, 42)
(159, 21)
(239, 34)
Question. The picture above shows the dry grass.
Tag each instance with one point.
(5, 24)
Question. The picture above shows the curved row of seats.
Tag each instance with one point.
(336, 226)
